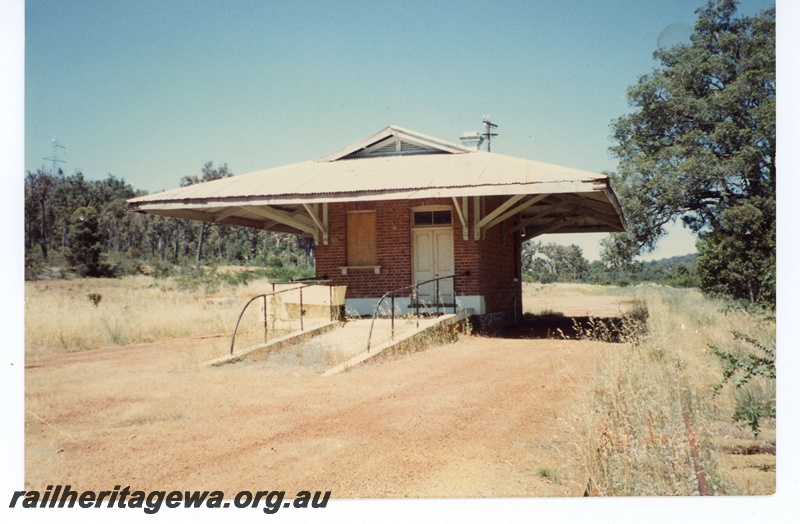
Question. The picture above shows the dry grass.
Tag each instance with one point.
(576, 300)
(67, 315)
(640, 442)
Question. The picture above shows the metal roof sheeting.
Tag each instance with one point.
(403, 174)
(576, 200)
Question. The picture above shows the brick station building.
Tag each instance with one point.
(399, 208)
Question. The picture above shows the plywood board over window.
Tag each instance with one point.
(362, 238)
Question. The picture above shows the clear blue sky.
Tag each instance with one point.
(150, 90)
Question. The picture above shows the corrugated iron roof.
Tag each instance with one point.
(579, 200)
(385, 174)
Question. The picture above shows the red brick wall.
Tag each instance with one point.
(467, 257)
(500, 264)
(394, 249)
(491, 261)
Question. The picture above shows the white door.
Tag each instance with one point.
(433, 258)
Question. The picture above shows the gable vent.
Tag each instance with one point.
(408, 147)
(388, 149)
(392, 146)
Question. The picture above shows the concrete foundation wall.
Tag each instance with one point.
(402, 305)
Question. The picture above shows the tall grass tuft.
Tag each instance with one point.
(550, 474)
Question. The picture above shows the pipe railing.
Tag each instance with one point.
(416, 301)
(304, 284)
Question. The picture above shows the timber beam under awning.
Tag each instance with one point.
(281, 217)
(530, 213)
(554, 226)
(540, 214)
(502, 213)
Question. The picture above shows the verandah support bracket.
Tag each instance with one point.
(516, 209)
(476, 216)
(463, 215)
(281, 217)
(481, 222)
(322, 226)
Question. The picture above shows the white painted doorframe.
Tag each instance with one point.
(433, 257)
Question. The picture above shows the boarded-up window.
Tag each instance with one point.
(362, 239)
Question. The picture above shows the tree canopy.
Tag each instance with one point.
(84, 242)
(85, 225)
(700, 146)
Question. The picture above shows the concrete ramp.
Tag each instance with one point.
(258, 351)
(335, 347)
(430, 331)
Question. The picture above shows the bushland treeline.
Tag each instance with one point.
(547, 263)
(74, 225)
(79, 226)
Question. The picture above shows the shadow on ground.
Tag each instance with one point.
(561, 327)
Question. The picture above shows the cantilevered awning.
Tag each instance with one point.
(397, 164)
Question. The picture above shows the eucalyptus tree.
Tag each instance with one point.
(207, 173)
(700, 145)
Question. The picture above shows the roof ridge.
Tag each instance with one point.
(393, 130)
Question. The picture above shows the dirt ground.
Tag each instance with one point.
(483, 417)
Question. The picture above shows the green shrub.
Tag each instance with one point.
(34, 264)
(754, 401)
(274, 261)
(752, 371)
(119, 264)
(94, 298)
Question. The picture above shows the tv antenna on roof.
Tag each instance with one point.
(488, 133)
(54, 158)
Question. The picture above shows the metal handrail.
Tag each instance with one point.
(415, 294)
(265, 295)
